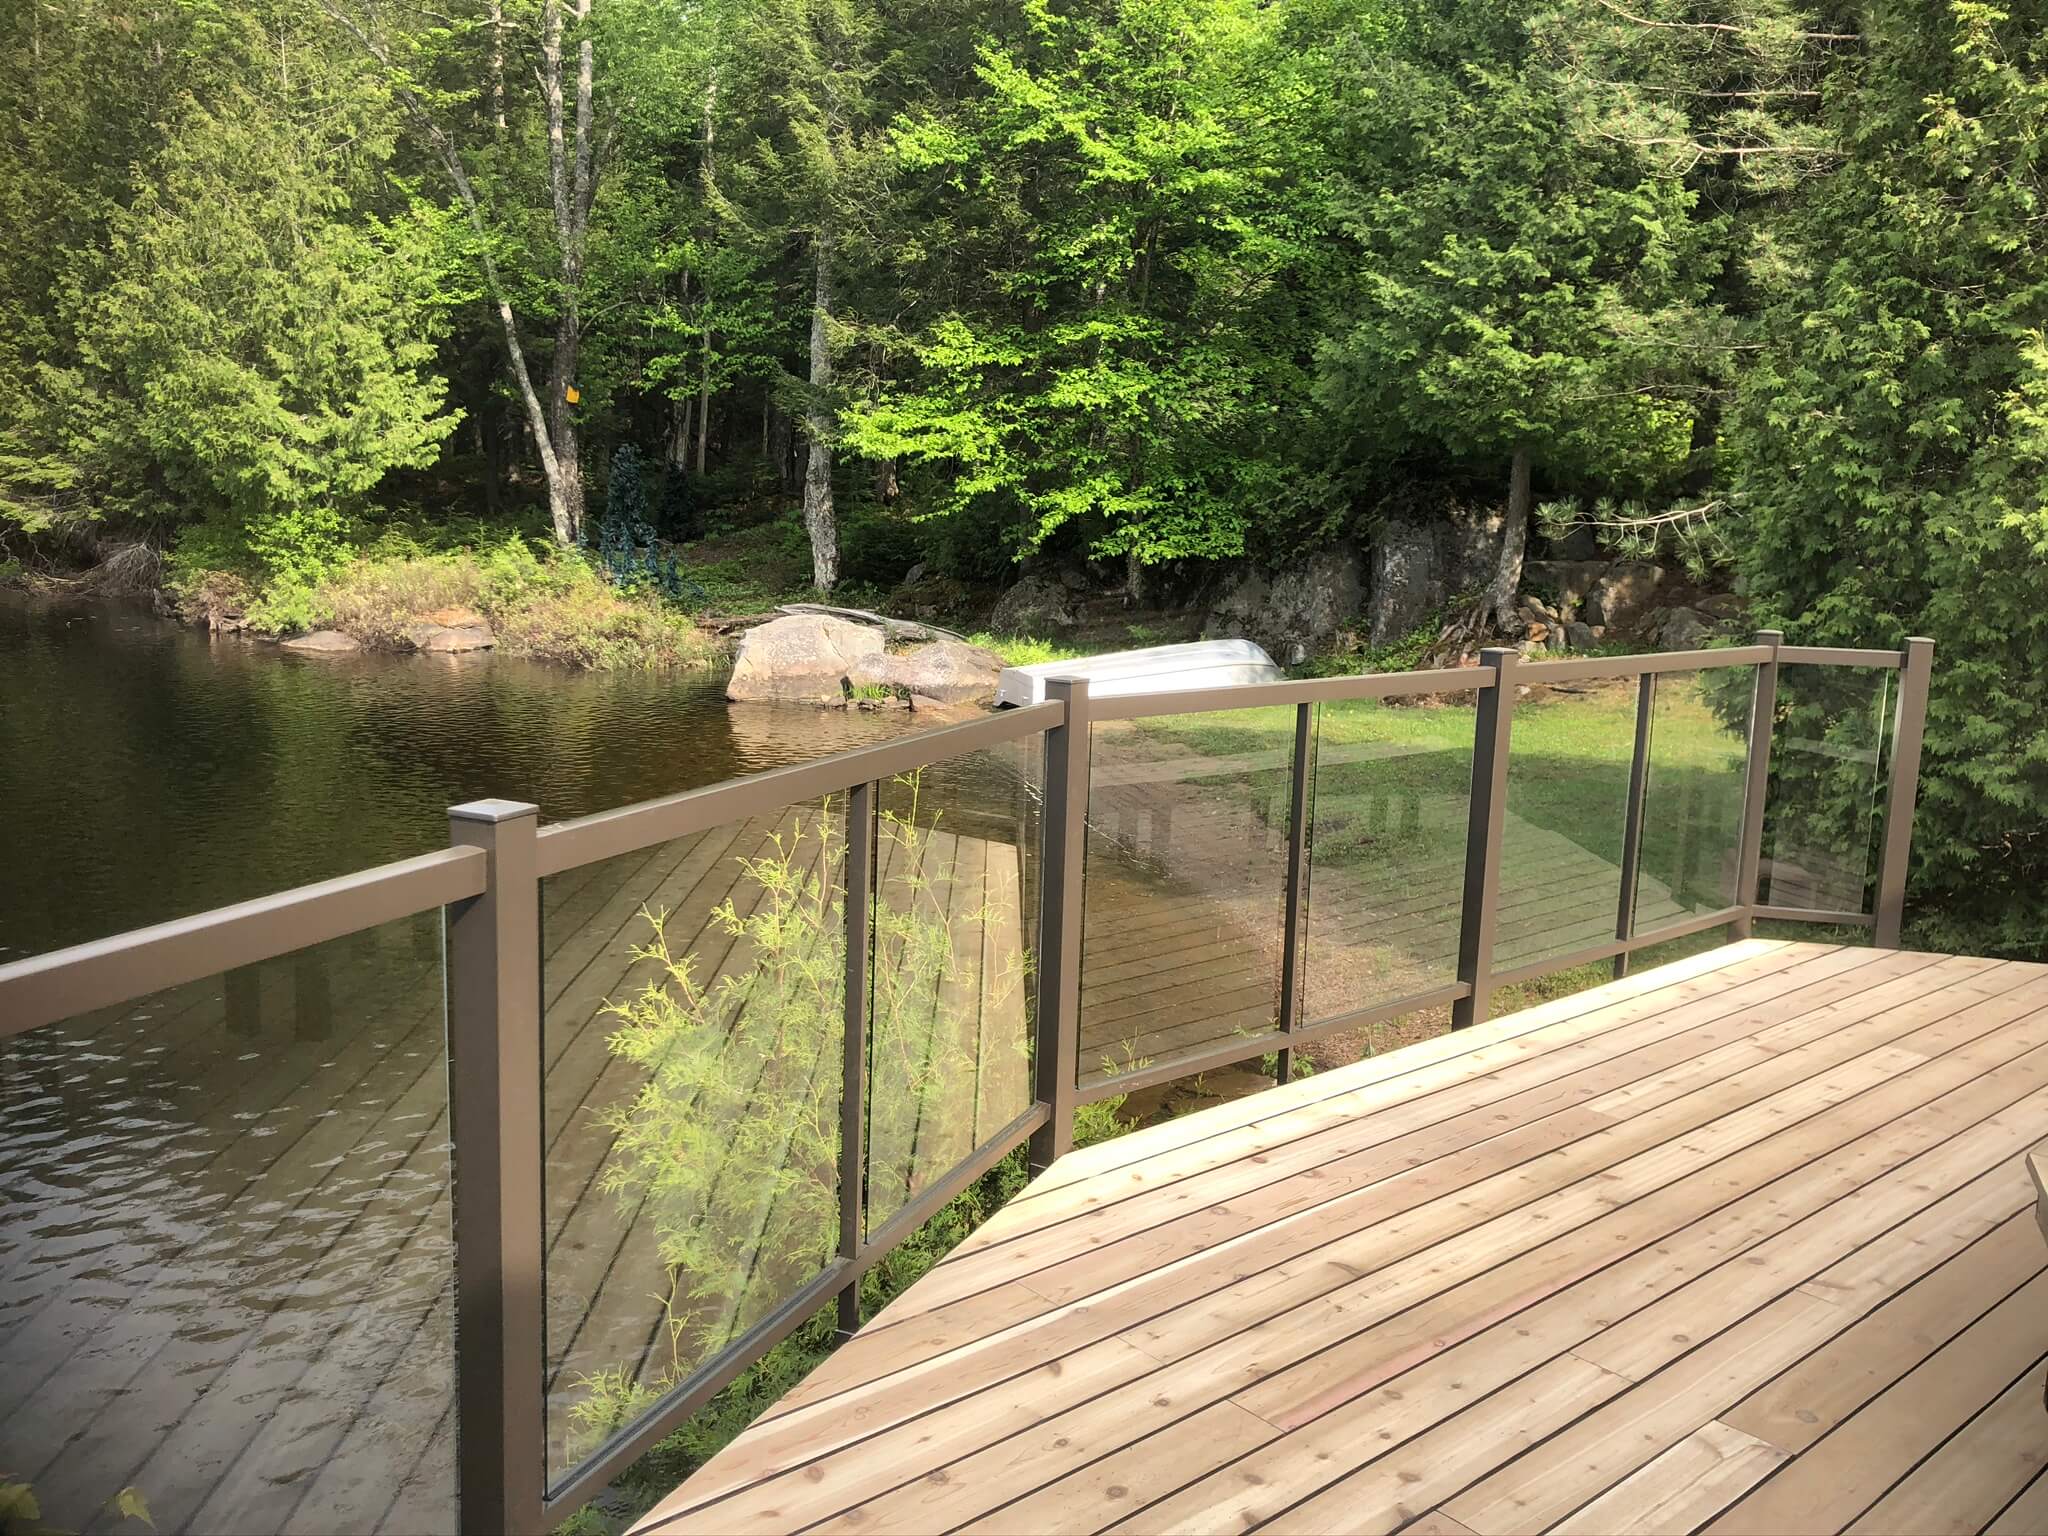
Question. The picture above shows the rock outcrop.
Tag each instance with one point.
(439, 637)
(1410, 582)
(810, 658)
(1034, 606)
(937, 672)
(804, 658)
(1294, 612)
(1624, 594)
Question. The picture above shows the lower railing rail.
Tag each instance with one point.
(488, 883)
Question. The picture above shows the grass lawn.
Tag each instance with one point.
(1391, 787)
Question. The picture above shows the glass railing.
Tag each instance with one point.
(693, 1067)
(225, 1275)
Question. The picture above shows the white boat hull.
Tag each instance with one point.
(1155, 669)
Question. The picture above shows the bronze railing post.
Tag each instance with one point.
(1056, 1052)
(1479, 909)
(1763, 713)
(1909, 724)
(1292, 924)
(1632, 823)
(494, 1105)
(853, 1081)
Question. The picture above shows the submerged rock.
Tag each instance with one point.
(324, 642)
(452, 639)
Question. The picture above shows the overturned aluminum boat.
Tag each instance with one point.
(1156, 669)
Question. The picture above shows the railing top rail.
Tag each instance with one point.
(607, 834)
(1306, 690)
(67, 982)
(1586, 668)
(1838, 656)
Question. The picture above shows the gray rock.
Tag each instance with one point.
(1409, 582)
(324, 642)
(1577, 543)
(1580, 637)
(942, 671)
(804, 658)
(1567, 581)
(1034, 606)
(1683, 629)
(453, 639)
(1294, 612)
(1624, 594)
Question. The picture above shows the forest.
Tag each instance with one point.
(1758, 285)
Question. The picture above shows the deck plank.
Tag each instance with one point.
(1572, 1272)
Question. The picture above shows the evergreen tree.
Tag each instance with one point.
(1890, 444)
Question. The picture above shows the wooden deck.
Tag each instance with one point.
(1742, 1244)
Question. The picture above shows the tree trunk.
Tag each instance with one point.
(820, 520)
(1514, 540)
(704, 401)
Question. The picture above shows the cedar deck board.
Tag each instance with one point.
(1839, 1164)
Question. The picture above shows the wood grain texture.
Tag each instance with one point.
(1745, 1244)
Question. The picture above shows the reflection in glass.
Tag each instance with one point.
(1186, 882)
(949, 1057)
(1828, 760)
(226, 1261)
(1387, 823)
(695, 1009)
(1567, 805)
(1692, 801)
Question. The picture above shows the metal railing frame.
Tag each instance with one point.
(488, 883)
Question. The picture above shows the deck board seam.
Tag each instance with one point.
(1500, 1076)
(1478, 1141)
(1584, 1177)
(1691, 1174)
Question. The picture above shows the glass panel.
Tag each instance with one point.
(1186, 877)
(1560, 863)
(694, 998)
(226, 1266)
(1692, 800)
(950, 1043)
(1392, 794)
(1827, 774)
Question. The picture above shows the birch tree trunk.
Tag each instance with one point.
(574, 185)
(820, 520)
(1514, 542)
(572, 180)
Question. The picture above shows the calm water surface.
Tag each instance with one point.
(224, 1240)
(147, 771)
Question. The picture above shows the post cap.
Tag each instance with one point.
(492, 810)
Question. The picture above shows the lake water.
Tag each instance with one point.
(224, 1243)
(147, 771)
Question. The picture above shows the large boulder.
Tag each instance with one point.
(1683, 629)
(1293, 612)
(324, 642)
(806, 658)
(1034, 606)
(1624, 594)
(1568, 582)
(939, 672)
(1409, 581)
